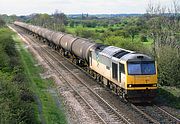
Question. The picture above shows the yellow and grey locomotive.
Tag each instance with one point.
(129, 74)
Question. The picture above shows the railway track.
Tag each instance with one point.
(78, 96)
(105, 112)
(155, 114)
(169, 114)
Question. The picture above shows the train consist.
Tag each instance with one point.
(129, 74)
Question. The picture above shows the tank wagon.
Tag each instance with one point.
(127, 73)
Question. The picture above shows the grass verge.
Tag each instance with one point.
(46, 108)
(169, 96)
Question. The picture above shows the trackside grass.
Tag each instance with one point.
(169, 96)
(47, 105)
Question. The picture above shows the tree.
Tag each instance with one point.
(2, 22)
(60, 18)
(164, 29)
(43, 20)
(164, 24)
(132, 31)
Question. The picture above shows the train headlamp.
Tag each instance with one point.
(129, 85)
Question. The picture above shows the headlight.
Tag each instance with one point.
(154, 85)
(129, 85)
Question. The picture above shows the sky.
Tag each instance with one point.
(26, 7)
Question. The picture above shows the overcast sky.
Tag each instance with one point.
(26, 7)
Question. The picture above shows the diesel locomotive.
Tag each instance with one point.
(127, 73)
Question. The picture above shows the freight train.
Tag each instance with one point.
(129, 74)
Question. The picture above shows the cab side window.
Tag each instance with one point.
(114, 71)
(121, 68)
(90, 58)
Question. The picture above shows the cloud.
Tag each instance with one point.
(21, 7)
(59, 2)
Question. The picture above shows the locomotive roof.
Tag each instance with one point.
(117, 53)
(136, 57)
(112, 51)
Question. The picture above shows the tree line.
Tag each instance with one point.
(57, 21)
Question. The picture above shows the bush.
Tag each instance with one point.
(99, 30)
(85, 33)
(121, 33)
(106, 34)
(125, 43)
(62, 28)
(89, 23)
(169, 66)
(143, 38)
(13, 109)
(16, 100)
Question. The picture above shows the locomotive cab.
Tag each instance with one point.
(141, 77)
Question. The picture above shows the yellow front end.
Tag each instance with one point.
(141, 82)
(140, 85)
